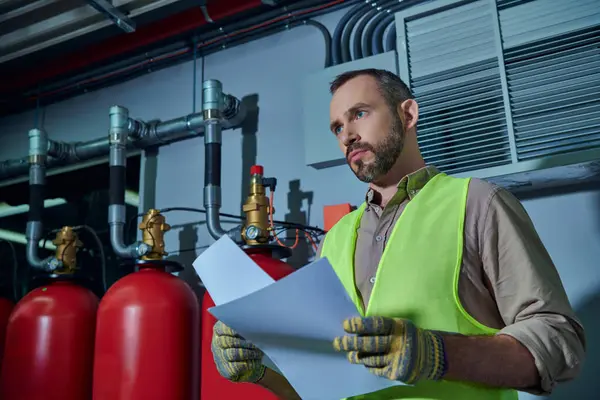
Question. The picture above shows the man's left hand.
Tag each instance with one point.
(393, 348)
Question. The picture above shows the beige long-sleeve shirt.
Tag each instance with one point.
(507, 281)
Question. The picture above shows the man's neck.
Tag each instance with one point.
(387, 186)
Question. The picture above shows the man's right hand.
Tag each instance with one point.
(236, 359)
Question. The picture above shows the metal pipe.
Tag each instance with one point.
(38, 153)
(141, 135)
(212, 107)
(80, 151)
(156, 132)
(117, 136)
(12, 168)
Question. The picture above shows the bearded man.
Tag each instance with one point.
(459, 299)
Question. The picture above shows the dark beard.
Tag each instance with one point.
(386, 153)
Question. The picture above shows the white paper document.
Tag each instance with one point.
(228, 273)
(293, 321)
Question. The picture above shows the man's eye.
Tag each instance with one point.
(360, 114)
(337, 130)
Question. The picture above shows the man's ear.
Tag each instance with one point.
(408, 111)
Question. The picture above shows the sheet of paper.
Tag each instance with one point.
(294, 321)
(228, 274)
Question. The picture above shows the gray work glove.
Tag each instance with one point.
(236, 359)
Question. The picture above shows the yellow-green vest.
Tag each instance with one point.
(417, 278)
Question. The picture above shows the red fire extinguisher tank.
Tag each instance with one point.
(6, 307)
(147, 339)
(49, 345)
(213, 385)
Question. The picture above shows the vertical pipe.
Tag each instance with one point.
(117, 136)
(194, 76)
(212, 107)
(38, 154)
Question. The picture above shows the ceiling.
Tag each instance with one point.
(42, 41)
(29, 26)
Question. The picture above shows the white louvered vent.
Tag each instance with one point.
(554, 86)
(502, 4)
(528, 21)
(454, 74)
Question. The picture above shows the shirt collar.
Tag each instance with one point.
(408, 186)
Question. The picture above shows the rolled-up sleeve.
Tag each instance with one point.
(529, 293)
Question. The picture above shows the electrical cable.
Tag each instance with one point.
(347, 35)
(275, 235)
(379, 31)
(307, 230)
(367, 39)
(358, 33)
(387, 16)
(15, 272)
(289, 225)
(326, 37)
(336, 51)
(390, 39)
(102, 255)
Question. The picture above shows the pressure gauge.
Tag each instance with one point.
(252, 232)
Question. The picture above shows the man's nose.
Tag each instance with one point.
(350, 137)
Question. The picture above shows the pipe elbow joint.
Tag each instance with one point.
(118, 245)
(34, 235)
(235, 234)
(234, 113)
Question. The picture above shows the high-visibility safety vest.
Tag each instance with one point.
(417, 279)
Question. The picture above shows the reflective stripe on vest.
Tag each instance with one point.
(417, 278)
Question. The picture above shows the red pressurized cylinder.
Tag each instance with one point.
(213, 385)
(6, 307)
(49, 345)
(147, 339)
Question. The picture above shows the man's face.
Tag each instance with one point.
(368, 132)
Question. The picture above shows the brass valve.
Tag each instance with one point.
(257, 207)
(67, 243)
(154, 226)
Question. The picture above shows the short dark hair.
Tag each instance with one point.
(392, 88)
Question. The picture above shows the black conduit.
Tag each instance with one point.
(212, 164)
(284, 26)
(337, 33)
(347, 35)
(367, 40)
(379, 31)
(36, 202)
(358, 33)
(326, 37)
(117, 179)
(390, 39)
